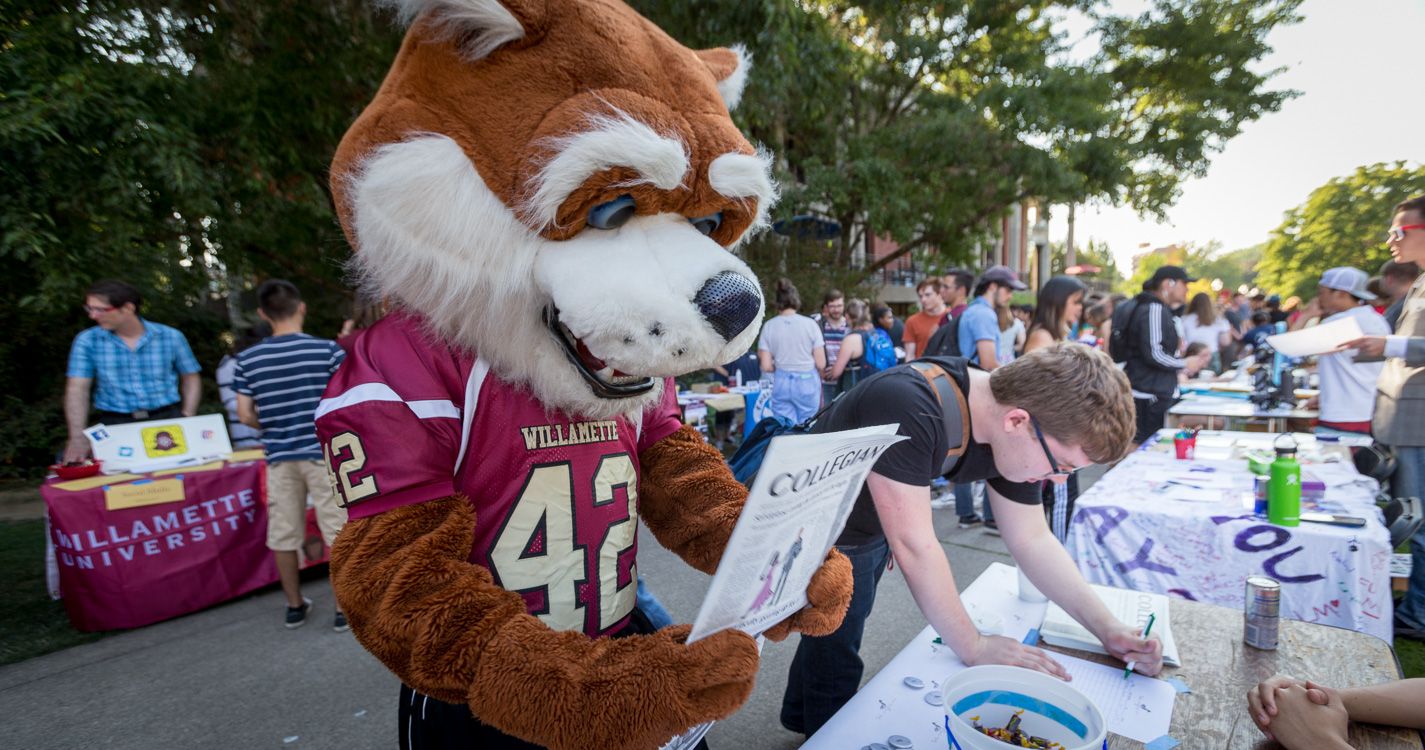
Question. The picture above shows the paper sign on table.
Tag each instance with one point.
(213, 466)
(144, 492)
(1139, 708)
(1318, 339)
(252, 454)
(89, 483)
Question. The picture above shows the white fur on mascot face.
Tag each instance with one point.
(590, 323)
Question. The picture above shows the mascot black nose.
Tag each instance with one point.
(729, 301)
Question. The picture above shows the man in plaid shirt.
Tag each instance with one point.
(139, 366)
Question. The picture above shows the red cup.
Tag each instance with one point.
(1185, 447)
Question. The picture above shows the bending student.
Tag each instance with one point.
(1014, 427)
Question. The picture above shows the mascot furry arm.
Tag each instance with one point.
(547, 191)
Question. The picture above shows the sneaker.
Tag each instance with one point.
(297, 616)
(992, 527)
(970, 520)
(942, 500)
(339, 624)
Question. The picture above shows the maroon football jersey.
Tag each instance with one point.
(408, 419)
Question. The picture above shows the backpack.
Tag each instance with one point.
(746, 462)
(945, 342)
(1120, 343)
(880, 353)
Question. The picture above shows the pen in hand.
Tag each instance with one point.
(1146, 629)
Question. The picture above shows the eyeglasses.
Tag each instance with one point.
(1398, 234)
(1056, 473)
(92, 310)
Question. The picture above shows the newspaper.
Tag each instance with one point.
(797, 507)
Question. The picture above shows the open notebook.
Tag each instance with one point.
(1130, 607)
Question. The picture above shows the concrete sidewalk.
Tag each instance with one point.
(233, 676)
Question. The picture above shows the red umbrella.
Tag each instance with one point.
(1076, 270)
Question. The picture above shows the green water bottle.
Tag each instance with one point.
(1284, 488)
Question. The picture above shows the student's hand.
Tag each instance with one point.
(1262, 700)
(77, 449)
(1310, 717)
(996, 649)
(1125, 643)
(1366, 346)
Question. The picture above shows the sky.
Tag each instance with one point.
(1357, 64)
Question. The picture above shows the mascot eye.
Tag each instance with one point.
(707, 224)
(613, 214)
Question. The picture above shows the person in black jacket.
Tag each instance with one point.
(1153, 336)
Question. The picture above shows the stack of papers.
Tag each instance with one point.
(1130, 607)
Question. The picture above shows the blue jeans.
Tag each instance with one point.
(965, 502)
(652, 607)
(826, 671)
(1409, 481)
(795, 395)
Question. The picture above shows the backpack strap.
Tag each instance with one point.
(957, 431)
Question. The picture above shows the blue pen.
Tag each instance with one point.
(1148, 627)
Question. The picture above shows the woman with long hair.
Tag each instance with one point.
(1061, 303)
(791, 349)
(851, 366)
(1203, 324)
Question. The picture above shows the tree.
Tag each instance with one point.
(923, 122)
(182, 146)
(1342, 223)
(1092, 254)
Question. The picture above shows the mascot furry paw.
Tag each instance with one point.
(549, 192)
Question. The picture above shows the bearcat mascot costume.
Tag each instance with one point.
(549, 192)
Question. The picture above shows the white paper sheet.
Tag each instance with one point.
(1318, 339)
(1139, 708)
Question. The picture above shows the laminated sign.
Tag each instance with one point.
(164, 440)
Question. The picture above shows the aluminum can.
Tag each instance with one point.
(1262, 611)
(1261, 482)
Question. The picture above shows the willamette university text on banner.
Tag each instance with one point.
(166, 559)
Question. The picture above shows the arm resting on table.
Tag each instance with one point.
(904, 510)
(443, 626)
(1398, 704)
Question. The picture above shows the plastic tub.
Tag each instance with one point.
(1052, 708)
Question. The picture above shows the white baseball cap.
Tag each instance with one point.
(1349, 280)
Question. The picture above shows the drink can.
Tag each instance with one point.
(1261, 483)
(1262, 612)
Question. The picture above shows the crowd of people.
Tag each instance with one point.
(990, 394)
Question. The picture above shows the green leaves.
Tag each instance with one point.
(1342, 223)
(922, 121)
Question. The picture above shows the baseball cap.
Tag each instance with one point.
(1349, 280)
(1002, 275)
(1164, 273)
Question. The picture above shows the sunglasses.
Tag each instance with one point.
(92, 310)
(1057, 473)
(1398, 234)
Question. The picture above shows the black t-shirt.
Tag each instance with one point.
(902, 395)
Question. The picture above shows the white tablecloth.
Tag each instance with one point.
(1135, 529)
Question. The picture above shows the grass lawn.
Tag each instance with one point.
(1412, 657)
(31, 623)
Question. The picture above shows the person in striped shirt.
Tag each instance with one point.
(279, 383)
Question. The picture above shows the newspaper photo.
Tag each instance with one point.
(796, 508)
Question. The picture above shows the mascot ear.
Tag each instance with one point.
(729, 67)
(478, 26)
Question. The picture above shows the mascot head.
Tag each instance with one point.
(557, 186)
